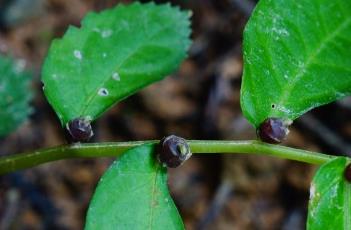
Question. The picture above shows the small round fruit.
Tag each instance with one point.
(80, 129)
(273, 130)
(172, 151)
(347, 173)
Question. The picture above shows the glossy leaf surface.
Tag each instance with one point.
(114, 54)
(330, 198)
(133, 194)
(296, 57)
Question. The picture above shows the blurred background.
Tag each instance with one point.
(200, 101)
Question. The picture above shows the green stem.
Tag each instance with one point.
(259, 148)
(26, 160)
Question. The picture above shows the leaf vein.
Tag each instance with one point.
(153, 194)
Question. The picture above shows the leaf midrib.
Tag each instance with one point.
(153, 195)
(301, 72)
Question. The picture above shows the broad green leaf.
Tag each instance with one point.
(133, 194)
(14, 95)
(330, 198)
(296, 57)
(114, 54)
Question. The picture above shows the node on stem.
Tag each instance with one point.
(173, 151)
(273, 130)
(80, 129)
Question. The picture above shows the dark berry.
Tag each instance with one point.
(80, 129)
(273, 130)
(172, 151)
(347, 173)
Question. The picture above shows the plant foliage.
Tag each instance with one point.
(14, 93)
(296, 57)
(133, 194)
(330, 198)
(114, 54)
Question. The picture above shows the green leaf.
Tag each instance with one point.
(133, 194)
(114, 54)
(14, 93)
(330, 198)
(296, 57)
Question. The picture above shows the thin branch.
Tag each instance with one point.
(30, 159)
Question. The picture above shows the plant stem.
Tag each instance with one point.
(30, 159)
(259, 148)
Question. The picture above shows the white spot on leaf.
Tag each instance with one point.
(280, 31)
(283, 109)
(78, 54)
(106, 33)
(103, 92)
(116, 76)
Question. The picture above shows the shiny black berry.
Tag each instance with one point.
(347, 173)
(80, 129)
(273, 130)
(172, 151)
